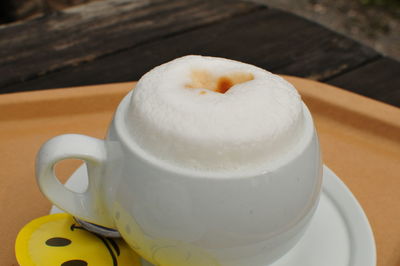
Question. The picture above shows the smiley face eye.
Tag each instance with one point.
(75, 263)
(58, 242)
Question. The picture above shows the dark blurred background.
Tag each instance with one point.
(14, 10)
(375, 23)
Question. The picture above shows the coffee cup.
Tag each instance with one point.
(195, 203)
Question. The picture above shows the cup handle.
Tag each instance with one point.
(87, 205)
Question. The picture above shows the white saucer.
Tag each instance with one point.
(339, 233)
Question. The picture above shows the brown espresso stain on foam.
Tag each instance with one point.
(224, 84)
(205, 80)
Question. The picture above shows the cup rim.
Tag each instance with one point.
(119, 123)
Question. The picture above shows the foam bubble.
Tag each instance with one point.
(214, 114)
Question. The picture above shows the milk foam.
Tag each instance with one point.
(180, 113)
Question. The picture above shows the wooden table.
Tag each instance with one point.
(119, 40)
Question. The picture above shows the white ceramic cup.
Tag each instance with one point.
(173, 216)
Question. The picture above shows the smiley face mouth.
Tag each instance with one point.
(109, 243)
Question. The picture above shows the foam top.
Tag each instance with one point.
(214, 114)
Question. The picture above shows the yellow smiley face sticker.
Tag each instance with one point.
(58, 240)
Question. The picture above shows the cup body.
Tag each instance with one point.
(172, 216)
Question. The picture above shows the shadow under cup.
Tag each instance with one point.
(173, 216)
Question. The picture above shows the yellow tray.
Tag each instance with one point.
(360, 141)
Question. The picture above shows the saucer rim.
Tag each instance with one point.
(363, 247)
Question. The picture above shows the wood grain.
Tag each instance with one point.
(120, 40)
(84, 33)
(379, 79)
(268, 38)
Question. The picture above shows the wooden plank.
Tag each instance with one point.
(87, 32)
(379, 79)
(271, 39)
